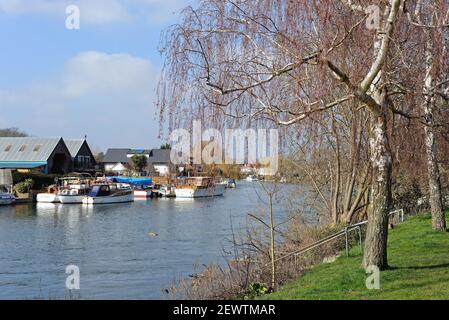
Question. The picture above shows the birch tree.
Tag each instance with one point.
(430, 17)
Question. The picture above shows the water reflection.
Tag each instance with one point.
(111, 243)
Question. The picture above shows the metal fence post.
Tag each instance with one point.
(347, 242)
(360, 238)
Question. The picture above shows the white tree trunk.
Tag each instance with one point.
(375, 253)
(436, 203)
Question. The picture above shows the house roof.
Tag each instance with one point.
(116, 155)
(24, 149)
(159, 156)
(120, 155)
(74, 146)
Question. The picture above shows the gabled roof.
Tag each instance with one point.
(74, 146)
(116, 155)
(159, 156)
(27, 148)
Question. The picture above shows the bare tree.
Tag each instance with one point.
(294, 63)
(427, 18)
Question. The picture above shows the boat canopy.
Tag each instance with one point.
(132, 181)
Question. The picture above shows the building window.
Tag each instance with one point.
(22, 148)
(8, 147)
(37, 148)
(83, 161)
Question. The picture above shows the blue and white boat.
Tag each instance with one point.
(109, 193)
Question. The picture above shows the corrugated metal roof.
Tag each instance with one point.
(74, 146)
(27, 148)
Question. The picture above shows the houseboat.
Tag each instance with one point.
(199, 187)
(109, 193)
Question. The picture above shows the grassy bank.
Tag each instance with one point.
(419, 260)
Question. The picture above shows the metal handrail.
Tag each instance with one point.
(337, 235)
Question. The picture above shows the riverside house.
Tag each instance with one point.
(118, 161)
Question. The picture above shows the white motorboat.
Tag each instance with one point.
(143, 194)
(167, 191)
(48, 197)
(109, 193)
(252, 178)
(74, 190)
(71, 196)
(199, 187)
(6, 197)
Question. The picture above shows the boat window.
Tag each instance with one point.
(22, 148)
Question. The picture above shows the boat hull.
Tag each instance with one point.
(142, 194)
(217, 190)
(47, 198)
(7, 201)
(67, 199)
(109, 199)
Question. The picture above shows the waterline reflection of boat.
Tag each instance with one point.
(109, 193)
(199, 187)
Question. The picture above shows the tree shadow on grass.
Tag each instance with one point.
(436, 266)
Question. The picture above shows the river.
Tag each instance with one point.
(112, 247)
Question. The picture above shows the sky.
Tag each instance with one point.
(99, 80)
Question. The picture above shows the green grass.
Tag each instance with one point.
(417, 255)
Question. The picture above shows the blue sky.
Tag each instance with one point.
(97, 81)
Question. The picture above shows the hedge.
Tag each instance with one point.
(40, 180)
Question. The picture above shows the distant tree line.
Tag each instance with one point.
(12, 132)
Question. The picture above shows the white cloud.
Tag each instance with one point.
(101, 73)
(97, 12)
(96, 93)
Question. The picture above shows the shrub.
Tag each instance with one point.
(40, 180)
(256, 290)
(24, 186)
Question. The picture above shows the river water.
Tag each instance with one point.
(111, 245)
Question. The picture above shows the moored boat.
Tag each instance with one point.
(51, 196)
(199, 187)
(167, 191)
(252, 178)
(74, 190)
(109, 193)
(72, 196)
(143, 194)
(6, 197)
